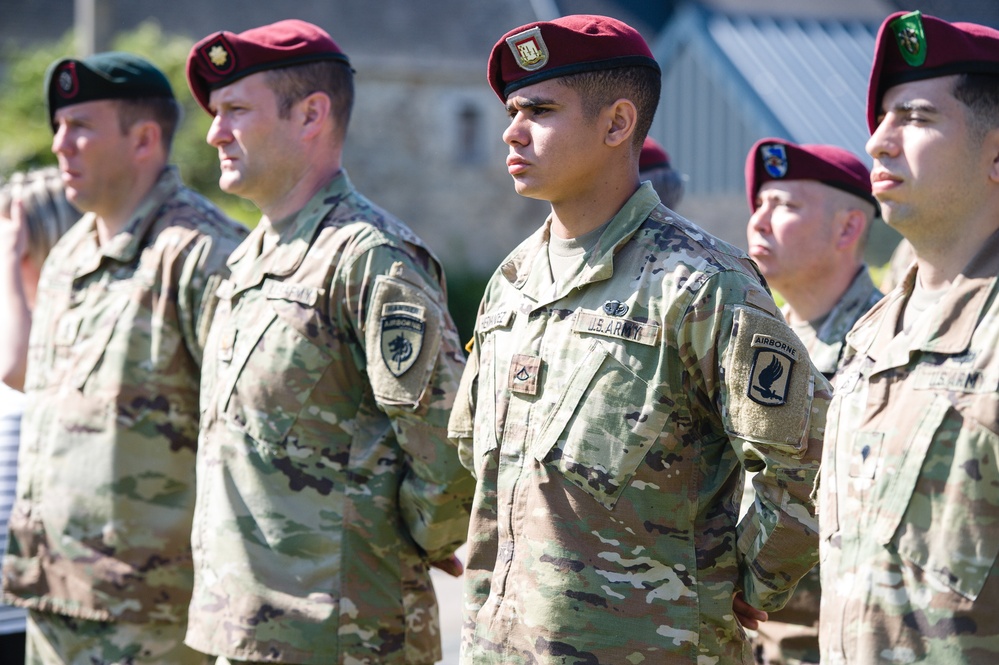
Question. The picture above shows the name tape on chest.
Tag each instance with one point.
(494, 320)
(597, 323)
(300, 293)
(770, 376)
(403, 327)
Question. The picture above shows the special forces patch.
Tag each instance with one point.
(529, 49)
(770, 376)
(402, 329)
(774, 158)
(911, 40)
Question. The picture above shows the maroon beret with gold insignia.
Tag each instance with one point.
(653, 155)
(569, 45)
(225, 57)
(777, 159)
(912, 47)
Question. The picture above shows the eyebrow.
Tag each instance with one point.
(908, 107)
(529, 102)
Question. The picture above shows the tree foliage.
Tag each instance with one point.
(26, 138)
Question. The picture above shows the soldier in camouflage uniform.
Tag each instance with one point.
(812, 210)
(626, 368)
(910, 482)
(99, 546)
(327, 485)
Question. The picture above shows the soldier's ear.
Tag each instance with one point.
(852, 227)
(992, 144)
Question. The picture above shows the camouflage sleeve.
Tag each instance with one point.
(772, 402)
(413, 360)
(203, 267)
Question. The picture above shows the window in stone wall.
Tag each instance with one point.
(469, 131)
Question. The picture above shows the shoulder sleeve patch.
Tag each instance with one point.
(769, 382)
(403, 337)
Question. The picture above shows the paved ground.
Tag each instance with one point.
(449, 601)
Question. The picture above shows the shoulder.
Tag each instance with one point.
(188, 213)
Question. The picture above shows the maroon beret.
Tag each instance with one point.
(776, 159)
(569, 45)
(912, 47)
(653, 155)
(224, 57)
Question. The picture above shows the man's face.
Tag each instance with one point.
(929, 169)
(555, 149)
(793, 232)
(94, 155)
(253, 142)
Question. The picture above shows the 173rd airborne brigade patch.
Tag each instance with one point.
(768, 397)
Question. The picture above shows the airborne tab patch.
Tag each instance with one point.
(402, 329)
(770, 377)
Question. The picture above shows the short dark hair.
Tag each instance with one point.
(980, 94)
(164, 111)
(598, 89)
(333, 78)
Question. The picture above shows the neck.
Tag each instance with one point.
(578, 216)
(811, 299)
(113, 219)
(312, 180)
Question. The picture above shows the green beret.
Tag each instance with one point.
(112, 75)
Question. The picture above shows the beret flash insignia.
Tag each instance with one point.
(219, 54)
(67, 82)
(911, 40)
(774, 158)
(529, 49)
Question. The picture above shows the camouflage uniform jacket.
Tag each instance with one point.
(101, 526)
(607, 418)
(825, 350)
(326, 482)
(910, 483)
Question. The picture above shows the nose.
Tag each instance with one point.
(514, 134)
(759, 221)
(882, 142)
(218, 132)
(60, 144)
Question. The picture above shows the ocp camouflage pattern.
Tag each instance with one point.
(608, 419)
(101, 526)
(326, 482)
(910, 482)
(791, 635)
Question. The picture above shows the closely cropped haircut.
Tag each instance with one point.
(599, 89)
(334, 79)
(980, 93)
(164, 111)
(47, 213)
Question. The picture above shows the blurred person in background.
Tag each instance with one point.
(34, 213)
(654, 165)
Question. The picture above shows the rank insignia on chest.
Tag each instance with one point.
(770, 377)
(524, 371)
(402, 330)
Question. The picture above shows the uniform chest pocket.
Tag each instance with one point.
(273, 373)
(602, 426)
(941, 509)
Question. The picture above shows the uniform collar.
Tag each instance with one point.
(295, 232)
(946, 328)
(528, 270)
